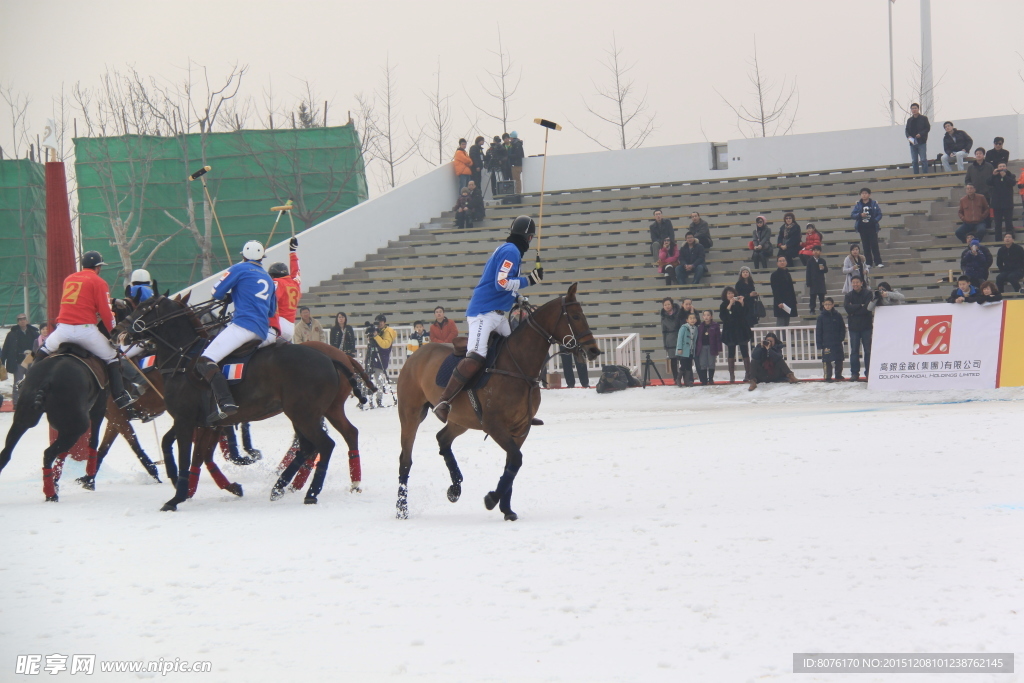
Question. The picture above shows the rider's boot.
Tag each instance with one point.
(224, 402)
(121, 397)
(463, 372)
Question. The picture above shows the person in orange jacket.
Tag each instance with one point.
(84, 298)
(288, 289)
(463, 165)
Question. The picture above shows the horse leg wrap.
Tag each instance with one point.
(317, 485)
(93, 464)
(48, 488)
(58, 468)
(402, 506)
(453, 466)
(355, 469)
(289, 456)
(302, 475)
(193, 480)
(217, 475)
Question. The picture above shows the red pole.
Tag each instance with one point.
(60, 247)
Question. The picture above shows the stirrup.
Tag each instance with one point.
(446, 406)
(124, 400)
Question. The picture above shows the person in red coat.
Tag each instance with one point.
(442, 330)
(85, 298)
(288, 289)
(463, 165)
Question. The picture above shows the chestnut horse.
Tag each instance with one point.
(508, 402)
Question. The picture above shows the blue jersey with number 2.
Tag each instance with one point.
(252, 292)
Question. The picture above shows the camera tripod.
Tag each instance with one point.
(647, 367)
(385, 388)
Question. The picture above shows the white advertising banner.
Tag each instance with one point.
(935, 346)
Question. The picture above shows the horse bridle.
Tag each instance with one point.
(140, 326)
(570, 341)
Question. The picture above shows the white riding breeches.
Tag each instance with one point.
(480, 328)
(229, 339)
(287, 329)
(88, 337)
(131, 352)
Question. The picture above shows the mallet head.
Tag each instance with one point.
(547, 124)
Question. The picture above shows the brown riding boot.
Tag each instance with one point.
(791, 378)
(732, 371)
(463, 372)
(746, 369)
(753, 384)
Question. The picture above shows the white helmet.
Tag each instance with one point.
(252, 251)
(141, 275)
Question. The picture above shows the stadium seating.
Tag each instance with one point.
(599, 238)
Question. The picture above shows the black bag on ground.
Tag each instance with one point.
(615, 378)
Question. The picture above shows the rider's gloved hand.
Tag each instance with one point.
(536, 275)
(293, 244)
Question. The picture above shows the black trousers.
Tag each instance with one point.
(869, 242)
(1003, 217)
(568, 360)
(1010, 277)
(821, 301)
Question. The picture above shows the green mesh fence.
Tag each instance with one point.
(139, 184)
(22, 239)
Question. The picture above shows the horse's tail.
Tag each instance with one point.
(362, 373)
(39, 398)
(350, 376)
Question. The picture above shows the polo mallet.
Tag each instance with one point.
(548, 127)
(200, 176)
(281, 210)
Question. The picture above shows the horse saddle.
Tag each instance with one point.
(95, 365)
(444, 373)
(234, 365)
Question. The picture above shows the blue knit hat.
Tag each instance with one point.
(513, 134)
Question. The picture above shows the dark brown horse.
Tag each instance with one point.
(508, 402)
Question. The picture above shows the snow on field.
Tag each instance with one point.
(664, 535)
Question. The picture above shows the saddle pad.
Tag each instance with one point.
(233, 367)
(444, 373)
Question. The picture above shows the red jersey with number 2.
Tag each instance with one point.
(84, 296)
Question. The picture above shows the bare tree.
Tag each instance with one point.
(774, 110)
(439, 127)
(502, 88)
(16, 105)
(309, 113)
(618, 104)
(389, 146)
(918, 89)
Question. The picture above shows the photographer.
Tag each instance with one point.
(381, 337)
(867, 216)
(885, 296)
(768, 364)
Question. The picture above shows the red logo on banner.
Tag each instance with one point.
(932, 334)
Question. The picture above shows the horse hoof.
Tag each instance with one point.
(402, 513)
(169, 506)
(255, 455)
(235, 488)
(88, 483)
(355, 487)
(511, 516)
(454, 491)
(51, 499)
(490, 500)
(276, 493)
(309, 500)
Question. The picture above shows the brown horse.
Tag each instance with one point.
(508, 402)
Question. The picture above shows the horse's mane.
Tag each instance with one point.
(537, 309)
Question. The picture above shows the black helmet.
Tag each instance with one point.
(277, 270)
(92, 259)
(381, 318)
(523, 225)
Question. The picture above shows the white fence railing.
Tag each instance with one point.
(800, 349)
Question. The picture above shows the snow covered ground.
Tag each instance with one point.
(664, 535)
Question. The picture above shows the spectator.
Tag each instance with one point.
(829, 335)
(989, 293)
(688, 309)
(570, 359)
(973, 214)
(691, 261)
(419, 333)
(789, 238)
(812, 238)
(515, 160)
(442, 330)
(668, 259)
(506, 142)
(975, 262)
(746, 288)
(955, 143)
(660, 229)
(783, 294)
(997, 155)
(735, 331)
(767, 363)
(384, 340)
(761, 245)
(867, 218)
(979, 173)
(463, 165)
(476, 155)
(307, 328)
(854, 265)
(965, 292)
(686, 346)
(18, 343)
(1020, 191)
(495, 160)
(1000, 198)
(815, 278)
(44, 332)
(701, 230)
(476, 202)
(1010, 261)
(463, 217)
(859, 320)
(343, 336)
(917, 135)
(885, 296)
(671, 319)
(709, 345)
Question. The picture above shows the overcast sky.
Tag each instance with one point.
(682, 52)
